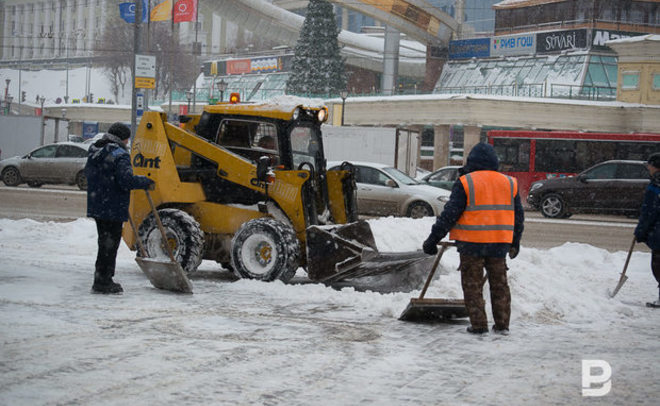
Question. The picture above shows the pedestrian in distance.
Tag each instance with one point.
(110, 180)
(648, 227)
(485, 217)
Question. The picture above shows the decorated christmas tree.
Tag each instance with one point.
(317, 68)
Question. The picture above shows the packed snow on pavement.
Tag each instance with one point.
(253, 343)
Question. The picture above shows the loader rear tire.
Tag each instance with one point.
(265, 249)
(184, 237)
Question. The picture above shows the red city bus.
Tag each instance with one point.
(535, 155)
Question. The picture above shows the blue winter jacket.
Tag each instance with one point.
(110, 179)
(482, 157)
(648, 228)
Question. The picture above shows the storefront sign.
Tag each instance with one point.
(469, 48)
(557, 41)
(524, 44)
(238, 66)
(599, 37)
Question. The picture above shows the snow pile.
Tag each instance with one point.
(562, 284)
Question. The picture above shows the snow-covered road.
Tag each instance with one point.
(251, 343)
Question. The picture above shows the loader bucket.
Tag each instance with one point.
(336, 253)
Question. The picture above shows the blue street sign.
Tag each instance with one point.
(127, 11)
(139, 106)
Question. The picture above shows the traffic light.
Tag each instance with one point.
(23, 96)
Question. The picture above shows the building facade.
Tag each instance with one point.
(49, 31)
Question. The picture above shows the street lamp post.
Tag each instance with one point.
(222, 86)
(343, 94)
(189, 95)
(8, 101)
(7, 81)
(43, 122)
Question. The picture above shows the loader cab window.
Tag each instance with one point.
(249, 139)
(305, 145)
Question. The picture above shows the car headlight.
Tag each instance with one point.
(535, 186)
(443, 199)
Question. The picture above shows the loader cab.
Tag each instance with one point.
(291, 143)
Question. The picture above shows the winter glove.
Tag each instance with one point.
(513, 251)
(430, 246)
(640, 238)
(151, 185)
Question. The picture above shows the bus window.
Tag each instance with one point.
(513, 154)
(555, 156)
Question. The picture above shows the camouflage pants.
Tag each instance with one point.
(472, 280)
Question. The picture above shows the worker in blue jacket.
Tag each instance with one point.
(110, 180)
(648, 227)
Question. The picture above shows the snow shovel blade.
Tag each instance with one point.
(337, 253)
(165, 275)
(428, 310)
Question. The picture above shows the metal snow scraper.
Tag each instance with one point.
(421, 309)
(167, 275)
(623, 277)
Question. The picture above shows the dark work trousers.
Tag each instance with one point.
(655, 265)
(109, 237)
(472, 279)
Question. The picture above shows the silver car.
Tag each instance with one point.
(61, 163)
(386, 191)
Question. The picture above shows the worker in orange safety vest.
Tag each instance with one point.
(485, 217)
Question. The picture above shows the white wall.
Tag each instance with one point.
(369, 144)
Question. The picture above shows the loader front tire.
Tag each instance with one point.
(265, 249)
(184, 237)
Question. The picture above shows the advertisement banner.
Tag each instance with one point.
(599, 37)
(127, 11)
(469, 48)
(556, 41)
(185, 10)
(238, 66)
(89, 129)
(263, 65)
(522, 44)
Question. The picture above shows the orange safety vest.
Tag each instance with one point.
(489, 213)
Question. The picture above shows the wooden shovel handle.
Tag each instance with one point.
(160, 226)
(435, 266)
(143, 251)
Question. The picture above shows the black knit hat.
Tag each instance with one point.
(120, 130)
(654, 160)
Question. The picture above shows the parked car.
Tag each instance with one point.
(443, 178)
(610, 186)
(61, 163)
(386, 191)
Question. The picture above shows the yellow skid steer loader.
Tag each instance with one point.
(246, 185)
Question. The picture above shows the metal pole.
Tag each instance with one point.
(136, 50)
(195, 57)
(343, 105)
(170, 82)
(43, 122)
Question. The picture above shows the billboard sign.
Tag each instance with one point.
(238, 66)
(522, 44)
(469, 48)
(599, 37)
(557, 41)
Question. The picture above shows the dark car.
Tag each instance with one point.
(61, 163)
(608, 187)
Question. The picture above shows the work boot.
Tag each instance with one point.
(107, 288)
(500, 330)
(481, 330)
